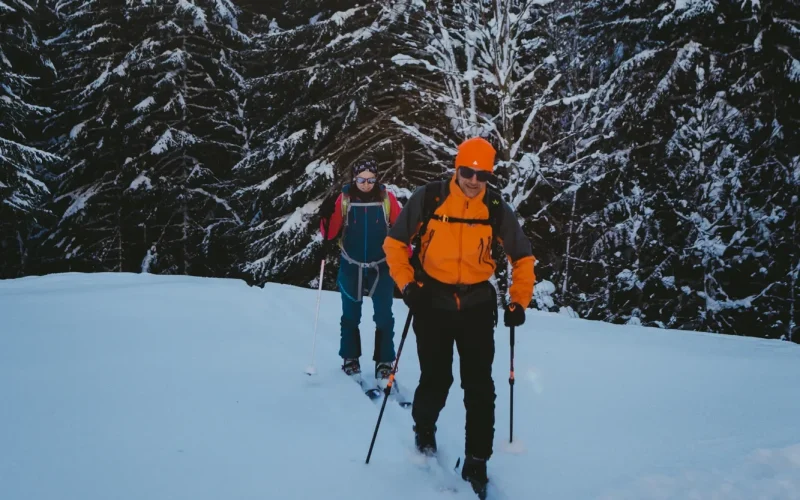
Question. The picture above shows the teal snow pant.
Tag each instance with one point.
(353, 299)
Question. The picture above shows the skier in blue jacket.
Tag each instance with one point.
(361, 217)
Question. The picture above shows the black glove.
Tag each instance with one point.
(515, 315)
(413, 294)
(327, 207)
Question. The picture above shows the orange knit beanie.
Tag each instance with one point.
(476, 153)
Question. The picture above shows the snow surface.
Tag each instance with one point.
(131, 386)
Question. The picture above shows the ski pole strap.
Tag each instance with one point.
(362, 266)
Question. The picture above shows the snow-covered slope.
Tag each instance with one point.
(150, 387)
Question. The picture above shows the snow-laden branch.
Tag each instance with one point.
(34, 155)
(219, 200)
(424, 138)
(682, 63)
(534, 110)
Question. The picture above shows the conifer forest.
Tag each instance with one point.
(651, 148)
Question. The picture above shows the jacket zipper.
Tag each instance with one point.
(461, 240)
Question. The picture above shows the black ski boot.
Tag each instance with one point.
(351, 366)
(425, 440)
(382, 372)
(474, 472)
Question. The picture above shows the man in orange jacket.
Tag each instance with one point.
(453, 301)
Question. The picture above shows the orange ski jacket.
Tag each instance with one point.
(457, 253)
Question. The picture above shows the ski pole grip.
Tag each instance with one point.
(511, 370)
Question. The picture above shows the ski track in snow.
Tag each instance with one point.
(134, 386)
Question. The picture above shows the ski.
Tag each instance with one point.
(401, 396)
(448, 477)
(489, 492)
(373, 392)
(432, 465)
(480, 492)
(492, 492)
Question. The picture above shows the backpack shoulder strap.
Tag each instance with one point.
(345, 208)
(434, 195)
(345, 202)
(494, 202)
(387, 206)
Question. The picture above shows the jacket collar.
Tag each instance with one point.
(458, 194)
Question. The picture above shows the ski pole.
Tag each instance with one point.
(388, 388)
(511, 387)
(311, 369)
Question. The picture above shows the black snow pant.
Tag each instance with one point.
(472, 331)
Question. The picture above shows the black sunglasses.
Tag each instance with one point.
(371, 180)
(482, 175)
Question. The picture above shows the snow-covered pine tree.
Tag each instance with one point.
(613, 257)
(487, 67)
(187, 132)
(315, 78)
(494, 69)
(578, 194)
(721, 223)
(90, 95)
(156, 125)
(764, 86)
(683, 89)
(731, 167)
(22, 190)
